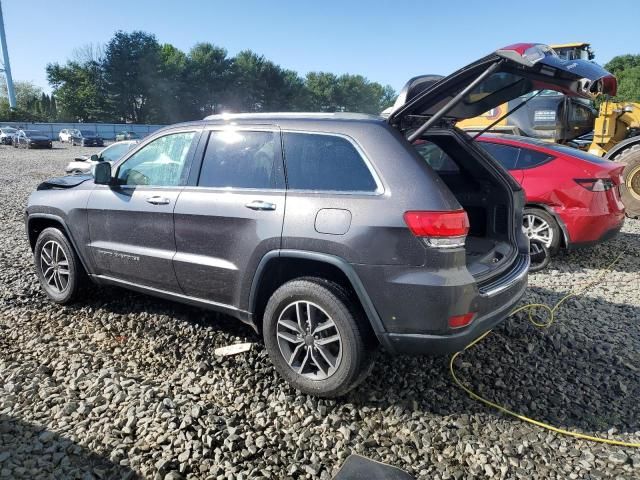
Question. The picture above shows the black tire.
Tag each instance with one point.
(556, 233)
(539, 255)
(630, 188)
(356, 346)
(76, 278)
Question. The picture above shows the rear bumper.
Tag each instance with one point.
(416, 314)
(585, 229)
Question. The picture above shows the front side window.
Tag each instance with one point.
(240, 159)
(325, 163)
(506, 155)
(163, 162)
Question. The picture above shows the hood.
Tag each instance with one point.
(508, 73)
(68, 181)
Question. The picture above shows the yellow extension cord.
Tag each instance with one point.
(532, 307)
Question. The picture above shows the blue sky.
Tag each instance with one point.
(385, 41)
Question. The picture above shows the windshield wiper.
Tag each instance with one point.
(514, 109)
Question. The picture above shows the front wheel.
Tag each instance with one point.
(540, 226)
(59, 270)
(316, 337)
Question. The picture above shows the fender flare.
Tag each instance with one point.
(619, 147)
(340, 263)
(563, 227)
(67, 232)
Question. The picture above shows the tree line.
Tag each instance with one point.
(134, 78)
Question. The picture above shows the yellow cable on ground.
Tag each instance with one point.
(532, 307)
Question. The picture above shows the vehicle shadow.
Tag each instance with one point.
(582, 373)
(29, 451)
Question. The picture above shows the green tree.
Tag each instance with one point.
(80, 91)
(627, 69)
(208, 79)
(132, 69)
(27, 98)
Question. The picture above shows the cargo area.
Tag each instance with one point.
(484, 196)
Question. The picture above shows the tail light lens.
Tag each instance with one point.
(459, 321)
(439, 229)
(595, 184)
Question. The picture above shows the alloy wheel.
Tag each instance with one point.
(309, 340)
(536, 228)
(55, 266)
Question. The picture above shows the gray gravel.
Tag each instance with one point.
(124, 385)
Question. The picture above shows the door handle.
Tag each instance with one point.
(158, 200)
(260, 205)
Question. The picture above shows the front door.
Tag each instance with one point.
(131, 223)
(231, 214)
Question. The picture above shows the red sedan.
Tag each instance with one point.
(573, 198)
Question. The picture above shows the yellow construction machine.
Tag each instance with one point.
(557, 118)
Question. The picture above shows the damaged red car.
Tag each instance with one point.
(572, 197)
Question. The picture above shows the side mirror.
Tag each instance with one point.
(94, 158)
(102, 173)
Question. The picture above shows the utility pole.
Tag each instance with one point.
(7, 67)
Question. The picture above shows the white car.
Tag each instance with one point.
(65, 134)
(6, 135)
(82, 165)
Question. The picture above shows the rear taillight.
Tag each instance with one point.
(595, 184)
(439, 229)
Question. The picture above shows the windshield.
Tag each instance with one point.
(34, 133)
(88, 133)
(114, 152)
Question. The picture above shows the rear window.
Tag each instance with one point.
(435, 157)
(240, 159)
(325, 163)
(506, 155)
(515, 158)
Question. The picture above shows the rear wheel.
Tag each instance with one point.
(630, 189)
(58, 267)
(316, 337)
(540, 226)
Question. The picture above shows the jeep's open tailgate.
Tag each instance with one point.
(522, 68)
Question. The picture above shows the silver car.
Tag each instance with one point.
(83, 164)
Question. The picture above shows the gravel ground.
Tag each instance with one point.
(124, 385)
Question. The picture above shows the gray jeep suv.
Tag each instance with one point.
(331, 234)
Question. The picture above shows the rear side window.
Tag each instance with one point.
(240, 159)
(506, 155)
(532, 158)
(435, 157)
(325, 163)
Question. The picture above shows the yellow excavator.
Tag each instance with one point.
(554, 117)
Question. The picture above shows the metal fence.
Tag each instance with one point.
(105, 130)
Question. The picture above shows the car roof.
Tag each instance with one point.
(311, 120)
(516, 139)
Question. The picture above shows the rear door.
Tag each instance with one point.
(231, 213)
(506, 74)
(131, 224)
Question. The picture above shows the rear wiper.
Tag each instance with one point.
(452, 103)
(514, 109)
